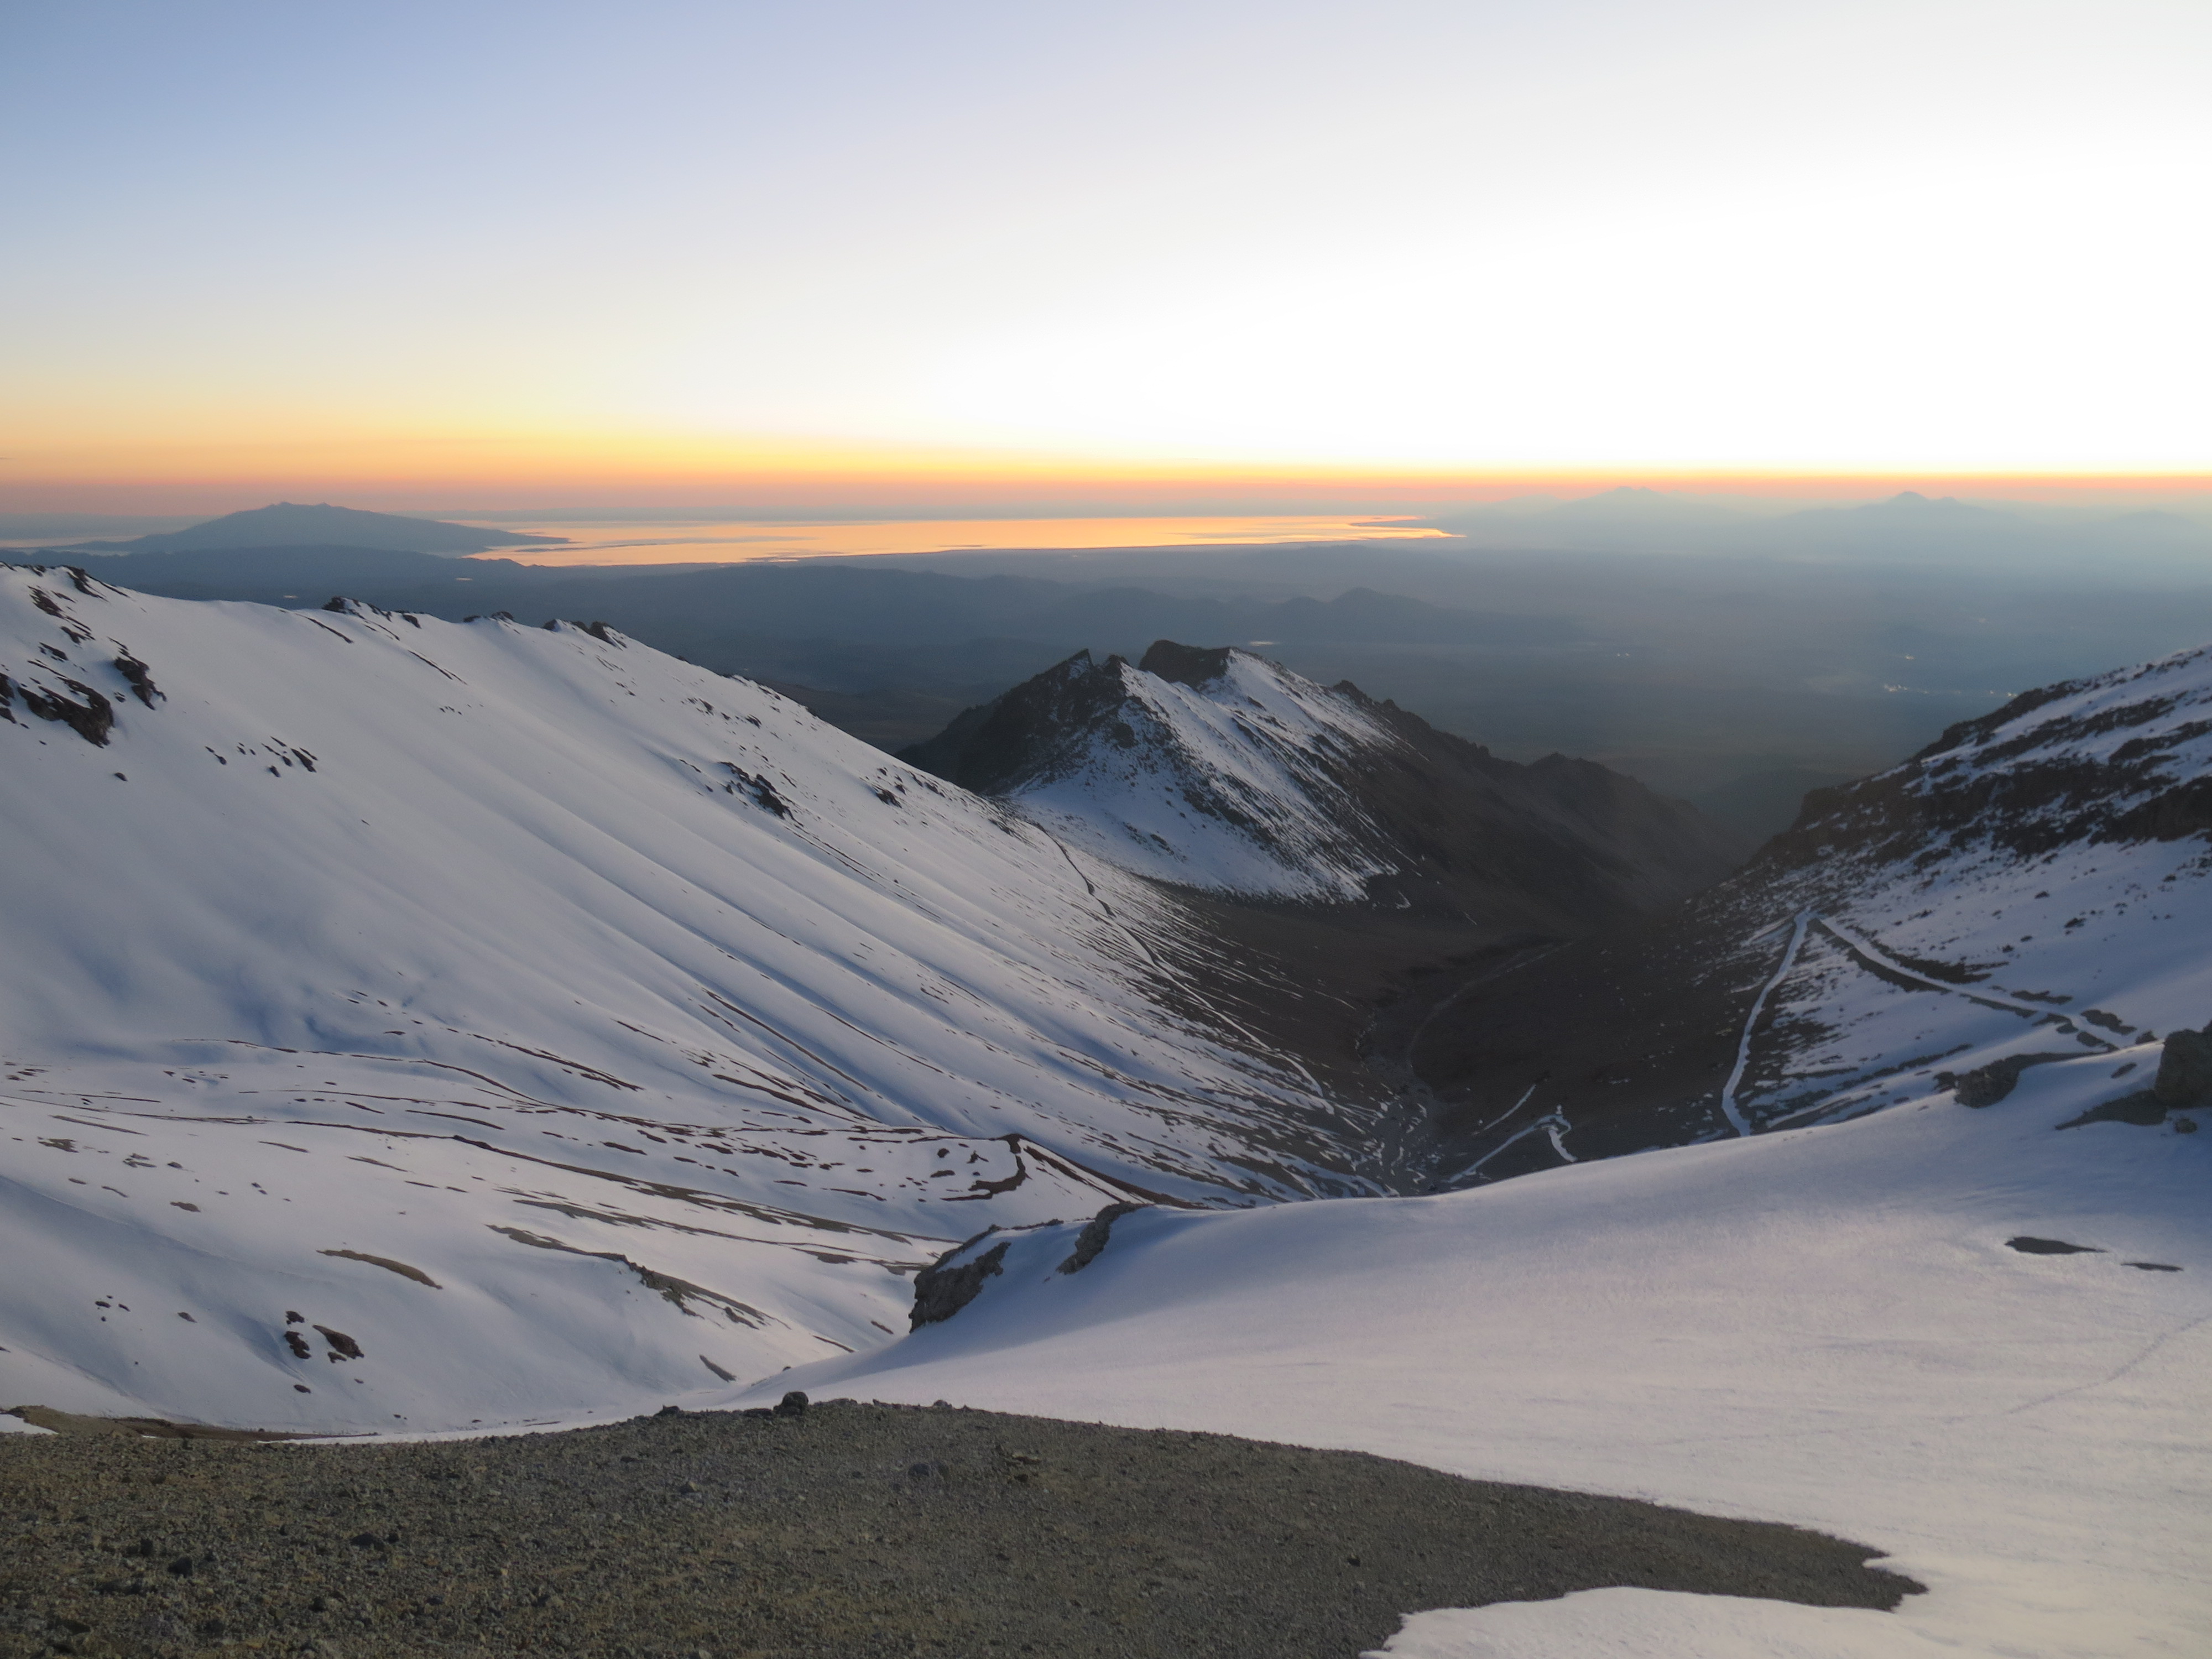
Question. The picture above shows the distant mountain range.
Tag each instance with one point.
(700, 612)
(288, 524)
(1735, 673)
(1908, 525)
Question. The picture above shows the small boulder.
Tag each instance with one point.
(792, 1405)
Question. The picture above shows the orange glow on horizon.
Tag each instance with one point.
(680, 543)
(568, 471)
(984, 487)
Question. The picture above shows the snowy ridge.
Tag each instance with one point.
(566, 1026)
(2123, 756)
(2033, 885)
(1222, 785)
(1218, 770)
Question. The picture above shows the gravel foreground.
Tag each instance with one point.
(847, 1530)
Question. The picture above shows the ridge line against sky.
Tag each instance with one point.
(1277, 257)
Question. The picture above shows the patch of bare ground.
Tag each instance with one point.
(853, 1531)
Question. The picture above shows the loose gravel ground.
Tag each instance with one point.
(851, 1530)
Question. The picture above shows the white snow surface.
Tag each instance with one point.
(1822, 1324)
(459, 988)
(523, 991)
(1218, 788)
(1823, 1327)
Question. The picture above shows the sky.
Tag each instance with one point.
(1289, 257)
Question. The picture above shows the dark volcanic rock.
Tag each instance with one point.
(1040, 728)
(942, 1290)
(89, 714)
(1196, 666)
(2185, 1069)
(866, 1532)
(1985, 1085)
(1092, 1239)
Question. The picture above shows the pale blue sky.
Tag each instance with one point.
(1948, 234)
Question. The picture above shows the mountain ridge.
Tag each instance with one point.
(1877, 945)
(295, 524)
(1298, 791)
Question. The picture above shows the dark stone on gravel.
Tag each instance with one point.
(2028, 1244)
(1068, 1539)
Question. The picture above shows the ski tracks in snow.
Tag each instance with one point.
(1729, 1109)
(1868, 951)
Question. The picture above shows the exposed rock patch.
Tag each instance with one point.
(862, 1531)
(2185, 1069)
(1092, 1239)
(948, 1284)
(1985, 1085)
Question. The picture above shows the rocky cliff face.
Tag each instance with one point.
(1218, 770)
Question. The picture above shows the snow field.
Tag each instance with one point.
(544, 965)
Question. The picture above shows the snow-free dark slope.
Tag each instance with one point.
(1220, 770)
(407, 1022)
(2032, 886)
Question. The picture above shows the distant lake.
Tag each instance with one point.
(666, 542)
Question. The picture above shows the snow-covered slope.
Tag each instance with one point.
(1973, 1329)
(1219, 769)
(1824, 1327)
(1218, 780)
(416, 1022)
(2033, 886)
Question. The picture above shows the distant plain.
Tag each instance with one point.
(1734, 657)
